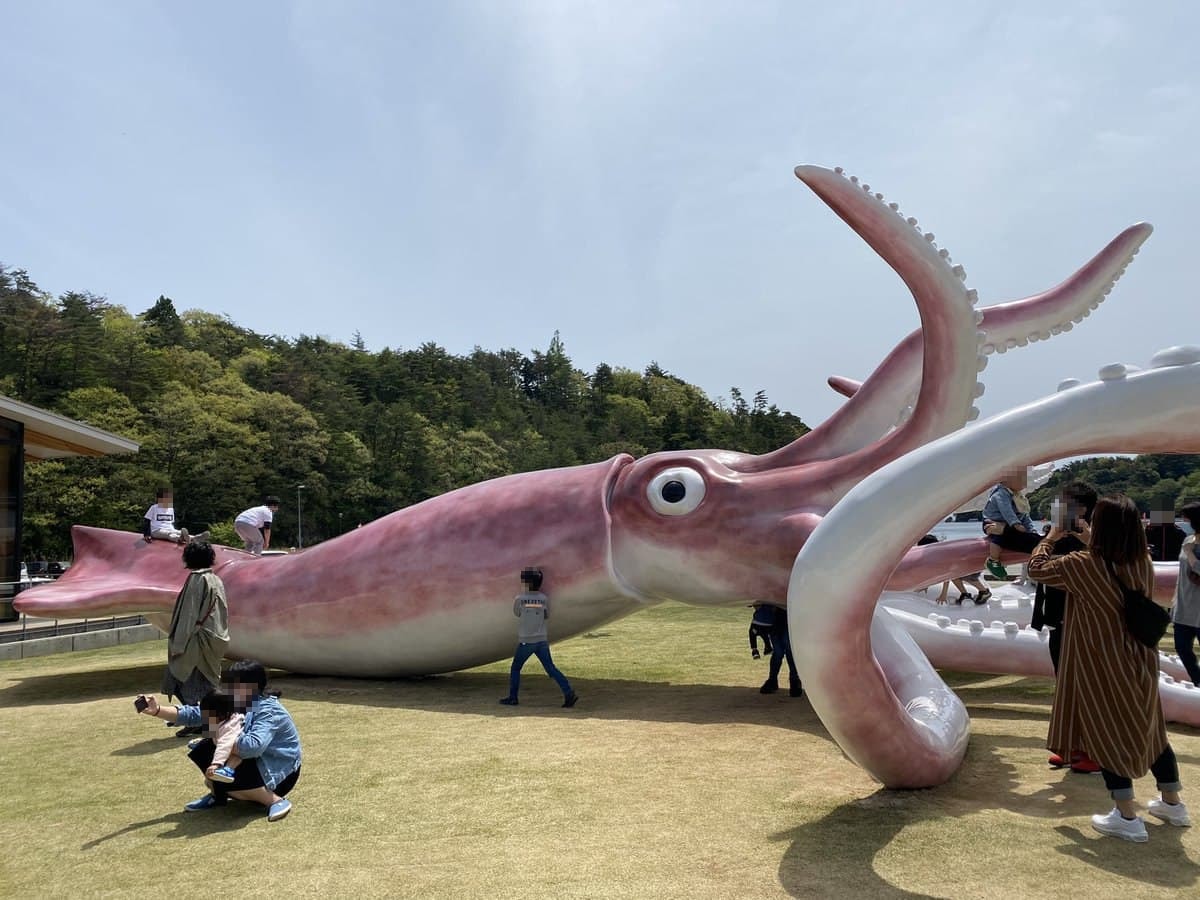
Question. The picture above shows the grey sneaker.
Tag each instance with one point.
(1172, 813)
(183, 536)
(202, 536)
(1116, 825)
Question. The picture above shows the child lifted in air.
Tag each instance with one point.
(1006, 521)
(224, 726)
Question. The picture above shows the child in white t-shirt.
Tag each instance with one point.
(159, 521)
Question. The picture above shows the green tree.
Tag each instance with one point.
(164, 328)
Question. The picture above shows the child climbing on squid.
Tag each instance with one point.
(983, 594)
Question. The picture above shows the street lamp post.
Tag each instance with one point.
(299, 518)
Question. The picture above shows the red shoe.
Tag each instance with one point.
(1084, 764)
(1056, 761)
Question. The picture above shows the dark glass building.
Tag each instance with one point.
(29, 434)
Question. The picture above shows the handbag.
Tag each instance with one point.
(1144, 619)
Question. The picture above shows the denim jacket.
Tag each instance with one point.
(1001, 508)
(269, 737)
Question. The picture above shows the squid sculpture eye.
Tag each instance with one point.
(676, 492)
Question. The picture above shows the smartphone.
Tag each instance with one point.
(1057, 514)
(141, 703)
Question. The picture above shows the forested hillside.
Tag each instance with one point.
(225, 415)
(1153, 480)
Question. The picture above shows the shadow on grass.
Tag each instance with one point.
(191, 824)
(476, 693)
(1162, 861)
(841, 848)
(82, 687)
(153, 745)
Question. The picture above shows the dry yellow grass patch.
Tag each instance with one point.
(672, 778)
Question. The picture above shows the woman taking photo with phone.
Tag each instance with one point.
(1106, 694)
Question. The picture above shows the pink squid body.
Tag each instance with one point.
(425, 589)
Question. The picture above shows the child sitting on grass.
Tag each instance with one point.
(224, 726)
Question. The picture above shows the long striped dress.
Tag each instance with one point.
(1106, 695)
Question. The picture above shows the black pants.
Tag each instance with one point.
(1185, 641)
(1019, 541)
(760, 631)
(782, 648)
(1055, 642)
(246, 777)
(1166, 775)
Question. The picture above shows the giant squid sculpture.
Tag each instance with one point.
(428, 588)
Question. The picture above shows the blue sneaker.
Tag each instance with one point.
(224, 774)
(279, 809)
(208, 801)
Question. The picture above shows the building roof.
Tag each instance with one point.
(51, 436)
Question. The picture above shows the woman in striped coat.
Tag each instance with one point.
(1106, 694)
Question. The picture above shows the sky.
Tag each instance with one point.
(488, 173)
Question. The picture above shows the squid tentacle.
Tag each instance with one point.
(912, 741)
(875, 401)
(947, 323)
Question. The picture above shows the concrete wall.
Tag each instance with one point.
(91, 640)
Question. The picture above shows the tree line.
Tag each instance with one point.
(226, 416)
(1154, 481)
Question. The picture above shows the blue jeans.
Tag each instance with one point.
(781, 648)
(541, 650)
(1185, 638)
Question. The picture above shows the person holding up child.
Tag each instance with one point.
(1006, 520)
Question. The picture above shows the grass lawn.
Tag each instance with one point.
(673, 777)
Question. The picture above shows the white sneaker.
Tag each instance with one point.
(1116, 825)
(1173, 814)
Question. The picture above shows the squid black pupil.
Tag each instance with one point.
(673, 491)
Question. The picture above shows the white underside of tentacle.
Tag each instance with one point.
(998, 641)
(834, 587)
